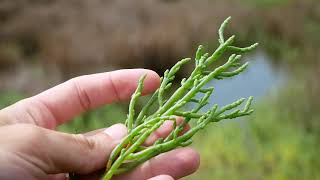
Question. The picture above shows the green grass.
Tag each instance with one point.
(8, 98)
(100, 118)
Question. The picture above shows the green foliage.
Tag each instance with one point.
(131, 152)
(270, 144)
(267, 3)
(8, 98)
(95, 119)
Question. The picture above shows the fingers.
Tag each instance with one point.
(176, 163)
(164, 130)
(96, 176)
(54, 152)
(63, 102)
(162, 177)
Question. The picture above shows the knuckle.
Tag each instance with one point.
(82, 94)
(87, 147)
(87, 143)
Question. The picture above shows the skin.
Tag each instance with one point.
(32, 149)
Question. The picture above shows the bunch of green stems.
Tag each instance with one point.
(131, 152)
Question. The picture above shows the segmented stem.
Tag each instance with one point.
(132, 152)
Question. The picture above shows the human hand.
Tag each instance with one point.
(31, 149)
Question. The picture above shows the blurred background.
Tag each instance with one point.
(46, 42)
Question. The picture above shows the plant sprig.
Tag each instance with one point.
(131, 152)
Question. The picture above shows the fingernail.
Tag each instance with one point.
(117, 131)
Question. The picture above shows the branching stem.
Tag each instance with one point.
(132, 151)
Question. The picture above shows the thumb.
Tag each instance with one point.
(84, 154)
(55, 152)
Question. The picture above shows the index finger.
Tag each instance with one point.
(61, 103)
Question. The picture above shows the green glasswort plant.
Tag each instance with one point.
(131, 152)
